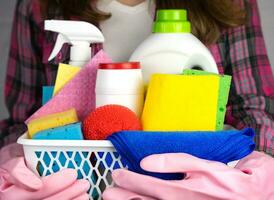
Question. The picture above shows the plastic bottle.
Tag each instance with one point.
(172, 48)
(121, 84)
(79, 35)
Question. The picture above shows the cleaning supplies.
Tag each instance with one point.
(122, 84)
(181, 103)
(79, 93)
(172, 48)
(222, 146)
(65, 73)
(52, 121)
(79, 35)
(68, 132)
(109, 119)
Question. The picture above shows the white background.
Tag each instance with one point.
(6, 15)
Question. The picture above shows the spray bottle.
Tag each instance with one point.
(79, 35)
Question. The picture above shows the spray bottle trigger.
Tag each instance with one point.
(61, 40)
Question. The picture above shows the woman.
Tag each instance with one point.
(238, 49)
(229, 28)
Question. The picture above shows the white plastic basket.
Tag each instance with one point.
(94, 160)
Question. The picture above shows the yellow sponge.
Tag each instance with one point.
(52, 121)
(181, 103)
(64, 75)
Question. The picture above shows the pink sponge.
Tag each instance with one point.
(106, 120)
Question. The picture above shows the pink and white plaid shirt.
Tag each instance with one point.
(239, 52)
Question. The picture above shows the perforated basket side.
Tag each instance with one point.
(92, 162)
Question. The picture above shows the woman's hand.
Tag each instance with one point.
(18, 182)
(251, 179)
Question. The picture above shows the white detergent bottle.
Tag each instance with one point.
(172, 48)
(79, 35)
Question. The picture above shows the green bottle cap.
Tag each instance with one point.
(171, 21)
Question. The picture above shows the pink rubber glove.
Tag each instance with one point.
(251, 179)
(18, 182)
(11, 151)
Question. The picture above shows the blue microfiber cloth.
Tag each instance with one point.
(222, 146)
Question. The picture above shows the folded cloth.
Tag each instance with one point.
(78, 93)
(222, 146)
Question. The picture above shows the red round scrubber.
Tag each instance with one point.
(106, 120)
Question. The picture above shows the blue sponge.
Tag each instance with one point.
(68, 132)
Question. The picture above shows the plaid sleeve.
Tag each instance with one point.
(251, 101)
(28, 67)
(25, 72)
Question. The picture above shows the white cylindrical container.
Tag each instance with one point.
(121, 84)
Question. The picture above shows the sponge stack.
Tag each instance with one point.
(52, 121)
(184, 103)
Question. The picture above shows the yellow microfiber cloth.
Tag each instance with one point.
(64, 75)
(52, 121)
(181, 103)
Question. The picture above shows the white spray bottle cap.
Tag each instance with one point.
(79, 35)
